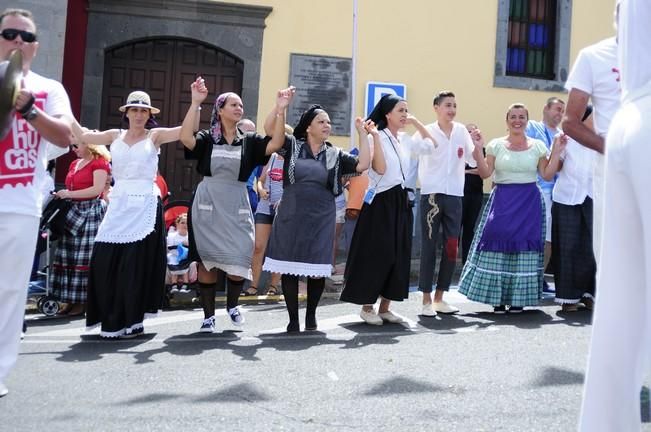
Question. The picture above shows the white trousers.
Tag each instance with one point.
(18, 234)
(620, 348)
(598, 204)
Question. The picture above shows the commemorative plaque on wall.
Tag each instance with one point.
(325, 81)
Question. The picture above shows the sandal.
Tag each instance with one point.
(273, 290)
(250, 291)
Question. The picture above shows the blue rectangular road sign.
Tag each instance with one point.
(375, 90)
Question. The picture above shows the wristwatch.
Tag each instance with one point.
(31, 114)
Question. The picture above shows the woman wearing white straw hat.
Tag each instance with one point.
(127, 267)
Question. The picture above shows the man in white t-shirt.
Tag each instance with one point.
(620, 349)
(595, 75)
(43, 116)
(442, 176)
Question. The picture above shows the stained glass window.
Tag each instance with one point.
(531, 38)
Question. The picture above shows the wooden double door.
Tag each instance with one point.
(165, 68)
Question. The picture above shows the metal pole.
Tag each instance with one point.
(353, 84)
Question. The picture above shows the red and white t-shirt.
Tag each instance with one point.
(23, 152)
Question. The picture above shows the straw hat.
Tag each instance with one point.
(139, 99)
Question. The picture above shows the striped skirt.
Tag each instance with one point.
(72, 255)
(511, 278)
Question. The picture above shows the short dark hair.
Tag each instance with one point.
(553, 100)
(18, 12)
(442, 95)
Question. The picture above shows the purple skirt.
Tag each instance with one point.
(514, 221)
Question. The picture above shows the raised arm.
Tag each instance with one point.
(573, 125)
(283, 99)
(425, 135)
(94, 137)
(55, 129)
(364, 159)
(378, 161)
(165, 135)
(485, 165)
(549, 167)
(189, 125)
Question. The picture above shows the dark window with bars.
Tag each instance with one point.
(531, 47)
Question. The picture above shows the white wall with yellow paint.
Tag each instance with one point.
(429, 45)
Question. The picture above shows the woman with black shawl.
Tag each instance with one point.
(302, 235)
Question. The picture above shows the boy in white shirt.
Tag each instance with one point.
(442, 176)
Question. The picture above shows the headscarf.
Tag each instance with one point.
(383, 107)
(215, 121)
(300, 131)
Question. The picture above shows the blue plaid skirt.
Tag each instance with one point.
(504, 278)
(72, 256)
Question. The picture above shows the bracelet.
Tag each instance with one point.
(28, 106)
(199, 108)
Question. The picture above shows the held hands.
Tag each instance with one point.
(199, 91)
(365, 127)
(284, 97)
(411, 120)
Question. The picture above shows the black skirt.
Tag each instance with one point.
(127, 282)
(380, 252)
(572, 254)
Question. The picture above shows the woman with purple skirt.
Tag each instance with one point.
(505, 265)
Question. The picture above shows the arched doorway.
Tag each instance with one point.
(165, 68)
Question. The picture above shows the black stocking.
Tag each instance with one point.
(207, 294)
(290, 291)
(233, 290)
(314, 291)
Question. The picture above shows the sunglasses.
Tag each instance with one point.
(11, 34)
(74, 146)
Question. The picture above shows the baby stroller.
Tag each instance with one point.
(49, 228)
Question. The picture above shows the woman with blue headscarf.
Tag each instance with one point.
(220, 220)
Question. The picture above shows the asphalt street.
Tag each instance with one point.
(474, 371)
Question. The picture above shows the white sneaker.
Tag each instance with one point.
(3, 390)
(390, 317)
(174, 289)
(236, 317)
(428, 310)
(184, 289)
(208, 325)
(444, 308)
(371, 317)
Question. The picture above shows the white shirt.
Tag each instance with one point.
(23, 152)
(596, 72)
(444, 170)
(634, 54)
(574, 181)
(396, 157)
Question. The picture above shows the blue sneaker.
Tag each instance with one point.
(236, 317)
(208, 325)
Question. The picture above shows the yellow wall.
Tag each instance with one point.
(429, 45)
